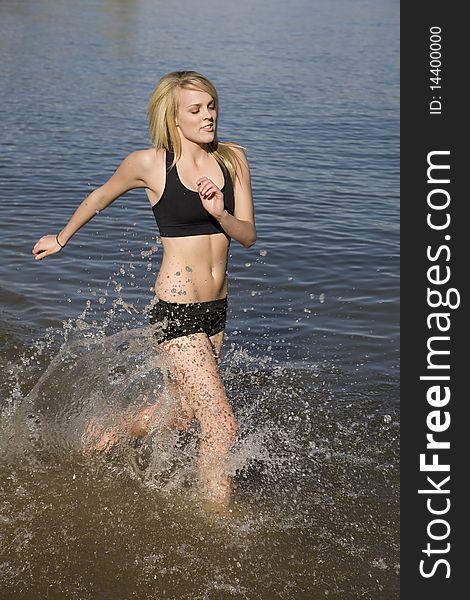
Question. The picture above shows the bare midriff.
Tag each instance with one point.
(193, 269)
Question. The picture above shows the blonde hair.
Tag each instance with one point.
(161, 113)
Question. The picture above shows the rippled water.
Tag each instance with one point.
(310, 359)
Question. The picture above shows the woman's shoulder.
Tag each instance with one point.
(147, 158)
(234, 151)
(147, 155)
(237, 153)
(237, 148)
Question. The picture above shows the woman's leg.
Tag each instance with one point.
(138, 422)
(195, 373)
(182, 414)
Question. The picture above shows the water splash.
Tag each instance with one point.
(306, 473)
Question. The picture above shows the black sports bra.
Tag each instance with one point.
(180, 212)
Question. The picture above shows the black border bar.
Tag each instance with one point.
(434, 254)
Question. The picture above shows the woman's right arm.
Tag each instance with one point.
(131, 174)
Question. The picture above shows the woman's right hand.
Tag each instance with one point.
(45, 246)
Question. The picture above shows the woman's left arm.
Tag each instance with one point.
(241, 225)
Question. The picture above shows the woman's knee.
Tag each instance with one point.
(220, 426)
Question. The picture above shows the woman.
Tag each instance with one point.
(200, 192)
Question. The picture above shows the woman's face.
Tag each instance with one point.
(196, 115)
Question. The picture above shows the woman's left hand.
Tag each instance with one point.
(211, 197)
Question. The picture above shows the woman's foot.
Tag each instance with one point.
(133, 424)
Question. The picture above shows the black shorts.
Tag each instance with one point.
(176, 319)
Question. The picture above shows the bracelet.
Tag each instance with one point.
(57, 240)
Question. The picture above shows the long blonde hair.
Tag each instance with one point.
(161, 113)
